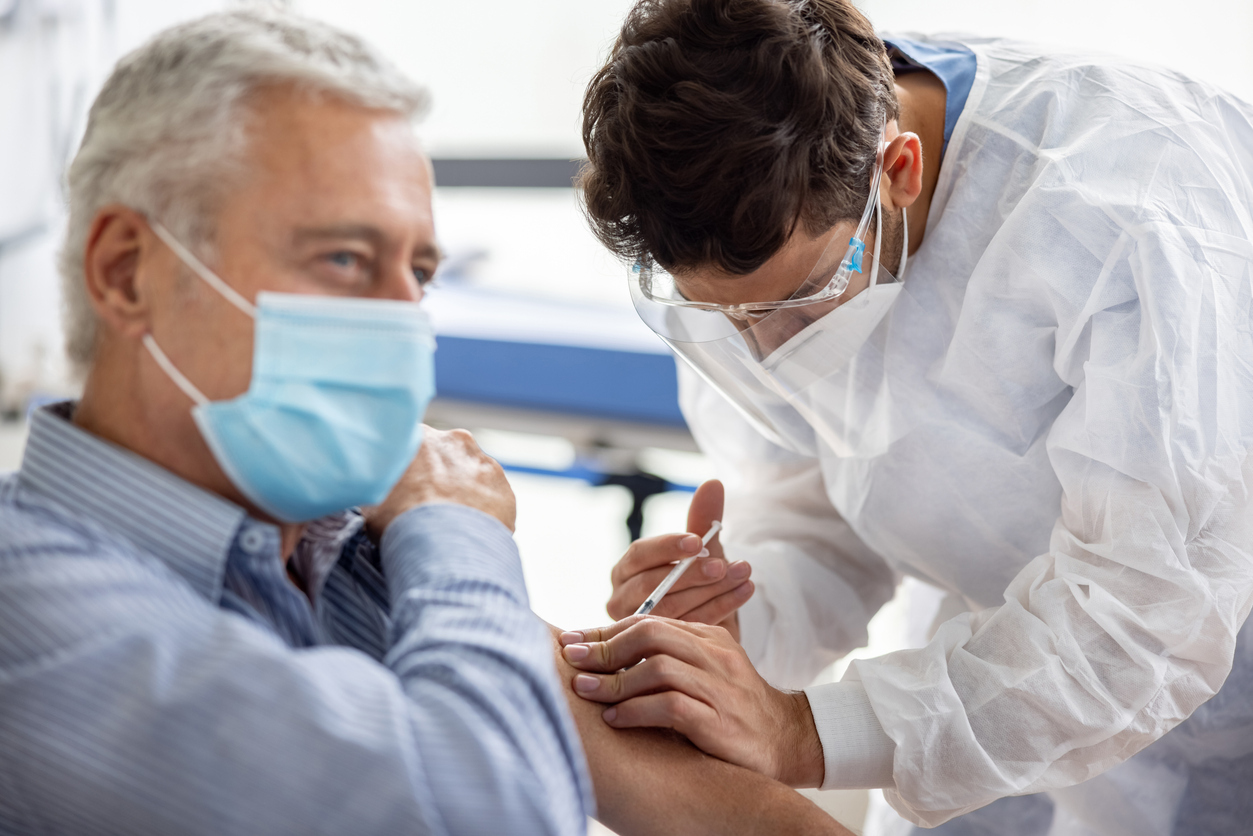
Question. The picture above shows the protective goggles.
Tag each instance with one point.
(827, 281)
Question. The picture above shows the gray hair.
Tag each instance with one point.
(168, 132)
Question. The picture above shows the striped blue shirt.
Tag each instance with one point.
(159, 673)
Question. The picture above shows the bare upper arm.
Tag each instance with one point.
(652, 781)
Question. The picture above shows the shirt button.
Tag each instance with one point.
(252, 541)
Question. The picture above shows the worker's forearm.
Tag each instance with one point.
(655, 782)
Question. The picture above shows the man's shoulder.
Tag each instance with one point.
(30, 523)
(65, 580)
(43, 541)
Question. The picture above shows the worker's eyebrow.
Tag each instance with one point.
(431, 251)
(366, 232)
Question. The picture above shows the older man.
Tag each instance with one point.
(198, 634)
(180, 650)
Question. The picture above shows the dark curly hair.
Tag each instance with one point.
(717, 126)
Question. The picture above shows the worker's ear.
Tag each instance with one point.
(118, 268)
(902, 171)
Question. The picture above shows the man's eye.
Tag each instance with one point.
(422, 276)
(344, 259)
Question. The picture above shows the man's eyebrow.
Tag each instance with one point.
(360, 231)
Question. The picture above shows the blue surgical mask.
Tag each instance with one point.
(333, 414)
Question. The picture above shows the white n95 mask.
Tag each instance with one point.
(333, 414)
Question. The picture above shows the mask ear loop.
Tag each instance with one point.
(900, 271)
(229, 293)
(210, 278)
(878, 235)
(878, 239)
(180, 380)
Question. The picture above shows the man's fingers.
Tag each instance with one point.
(448, 467)
(670, 709)
(718, 609)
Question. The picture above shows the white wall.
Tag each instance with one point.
(507, 76)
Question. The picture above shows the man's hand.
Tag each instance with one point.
(697, 680)
(710, 591)
(449, 467)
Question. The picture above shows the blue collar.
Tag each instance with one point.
(952, 63)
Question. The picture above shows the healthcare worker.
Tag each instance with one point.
(964, 309)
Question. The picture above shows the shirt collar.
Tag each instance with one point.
(187, 528)
(951, 62)
(321, 548)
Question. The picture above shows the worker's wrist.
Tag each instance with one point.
(800, 759)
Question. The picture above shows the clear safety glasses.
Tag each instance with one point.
(827, 281)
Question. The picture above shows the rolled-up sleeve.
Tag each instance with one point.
(470, 652)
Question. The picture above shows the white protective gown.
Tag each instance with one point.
(1069, 371)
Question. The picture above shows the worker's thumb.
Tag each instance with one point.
(706, 507)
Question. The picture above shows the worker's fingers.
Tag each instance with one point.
(680, 604)
(710, 573)
(653, 675)
(658, 552)
(705, 570)
(720, 608)
(669, 709)
(609, 631)
(648, 561)
(639, 637)
(599, 634)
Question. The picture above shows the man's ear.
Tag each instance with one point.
(902, 171)
(117, 268)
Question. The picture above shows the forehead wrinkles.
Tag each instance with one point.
(321, 159)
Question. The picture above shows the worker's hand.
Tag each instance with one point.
(697, 680)
(710, 591)
(449, 467)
